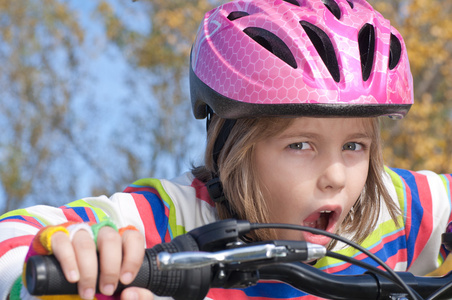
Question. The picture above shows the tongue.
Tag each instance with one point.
(319, 221)
(322, 222)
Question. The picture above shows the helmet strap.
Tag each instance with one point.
(221, 141)
(209, 114)
(214, 185)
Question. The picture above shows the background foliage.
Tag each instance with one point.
(62, 135)
(423, 140)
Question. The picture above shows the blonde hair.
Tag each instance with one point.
(242, 187)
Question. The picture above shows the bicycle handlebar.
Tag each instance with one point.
(44, 275)
(211, 257)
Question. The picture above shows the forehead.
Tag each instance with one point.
(278, 126)
(321, 123)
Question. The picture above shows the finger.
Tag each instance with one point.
(109, 246)
(134, 293)
(86, 256)
(64, 253)
(133, 254)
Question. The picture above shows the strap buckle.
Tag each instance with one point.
(215, 189)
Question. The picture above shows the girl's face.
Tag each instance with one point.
(313, 172)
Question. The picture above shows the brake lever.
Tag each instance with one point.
(275, 251)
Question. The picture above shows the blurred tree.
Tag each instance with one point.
(45, 67)
(39, 73)
(422, 140)
(159, 54)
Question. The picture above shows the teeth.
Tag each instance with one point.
(325, 211)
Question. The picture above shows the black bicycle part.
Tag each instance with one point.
(216, 236)
(44, 275)
(395, 276)
(351, 287)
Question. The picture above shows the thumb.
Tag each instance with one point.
(134, 293)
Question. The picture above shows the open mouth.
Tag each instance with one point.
(324, 220)
(320, 220)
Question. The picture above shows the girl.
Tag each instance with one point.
(292, 91)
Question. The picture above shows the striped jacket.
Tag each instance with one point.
(163, 209)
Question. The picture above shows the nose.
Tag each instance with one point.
(333, 174)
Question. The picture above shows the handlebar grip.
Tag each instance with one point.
(44, 275)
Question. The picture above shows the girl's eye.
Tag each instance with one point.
(300, 146)
(352, 146)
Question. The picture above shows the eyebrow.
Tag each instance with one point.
(311, 135)
(359, 135)
(294, 134)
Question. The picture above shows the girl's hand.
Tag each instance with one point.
(120, 258)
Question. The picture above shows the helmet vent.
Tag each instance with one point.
(395, 52)
(366, 41)
(333, 7)
(324, 47)
(272, 43)
(294, 2)
(237, 15)
(351, 4)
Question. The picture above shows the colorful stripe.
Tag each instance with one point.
(400, 189)
(419, 219)
(201, 191)
(82, 211)
(447, 182)
(152, 231)
(24, 240)
(24, 218)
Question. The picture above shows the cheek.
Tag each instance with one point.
(274, 185)
(358, 179)
(284, 195)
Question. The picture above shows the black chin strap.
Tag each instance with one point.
(214, 186)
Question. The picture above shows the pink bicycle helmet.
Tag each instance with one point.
(256, 58)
